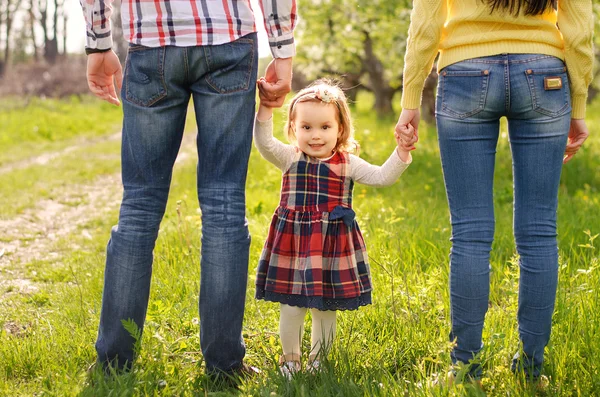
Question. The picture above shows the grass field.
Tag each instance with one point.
(60, 193)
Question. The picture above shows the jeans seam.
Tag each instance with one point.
(506, 87)
(137, 47)
(186, 64)
(537, 58)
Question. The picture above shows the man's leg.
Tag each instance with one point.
(224, 100)
(154, 107)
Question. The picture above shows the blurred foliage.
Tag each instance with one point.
(335, 36)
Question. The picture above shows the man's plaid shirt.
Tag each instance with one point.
(183, 23)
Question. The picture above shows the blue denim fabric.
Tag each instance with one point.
(157, 86)
(472, 96)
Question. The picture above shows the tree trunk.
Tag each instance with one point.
(1, 17)
(351, 85)
(428, 104)
(65, 20)
(11, 8)
(43, 8)
(55, 21)
(51, 51)
(379, 85)
(383, 101)
(36, 55)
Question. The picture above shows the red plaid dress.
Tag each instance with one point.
(315, 255)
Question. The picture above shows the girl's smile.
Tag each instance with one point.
(316, 128)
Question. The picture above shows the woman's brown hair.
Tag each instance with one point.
(532, 7)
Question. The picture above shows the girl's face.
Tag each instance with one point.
(316, 127)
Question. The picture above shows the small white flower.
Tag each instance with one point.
(325, 95)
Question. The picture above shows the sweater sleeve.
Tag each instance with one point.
(272, 149)
(575, 22)
(373, 175)
(424, 33)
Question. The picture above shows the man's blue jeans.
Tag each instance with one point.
(157, 86)
(532, 91)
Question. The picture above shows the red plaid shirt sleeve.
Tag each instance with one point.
(97, 20)
(191, 23)
(280, 20)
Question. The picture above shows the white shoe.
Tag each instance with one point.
(313, 366)
(289, 364)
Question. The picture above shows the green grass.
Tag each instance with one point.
(23, 187)
(38, 125)
(393, 347)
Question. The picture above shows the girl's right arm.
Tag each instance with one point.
(272, 149)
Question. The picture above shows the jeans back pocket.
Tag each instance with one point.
(463, 92)
(549, 89)
(144, 80)
(230, 65)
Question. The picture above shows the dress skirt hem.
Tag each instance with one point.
(316, 302)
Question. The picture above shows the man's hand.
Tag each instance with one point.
(102, 68)
(276, 84)
(578, 133)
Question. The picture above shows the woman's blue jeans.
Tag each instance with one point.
(532, 92)
(157, 86)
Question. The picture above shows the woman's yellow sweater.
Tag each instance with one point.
(463, 29)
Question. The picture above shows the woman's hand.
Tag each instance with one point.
(578, 133)
(409, 116)
(405, 139)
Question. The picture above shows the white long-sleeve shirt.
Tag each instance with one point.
(361, 171)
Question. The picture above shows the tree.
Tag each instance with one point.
(51, 51)
(31, 23)
(363, 41)
(8, 10)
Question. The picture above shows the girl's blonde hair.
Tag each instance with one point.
(326, 91)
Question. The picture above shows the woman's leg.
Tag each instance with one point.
(322, 333)
(538, 147)
(470, 101)
(468, 153)
(538, 126)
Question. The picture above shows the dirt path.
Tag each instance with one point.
(34, 234)
(45, 158)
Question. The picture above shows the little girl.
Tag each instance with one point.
(315, 257)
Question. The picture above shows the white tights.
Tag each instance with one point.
(291, 329)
